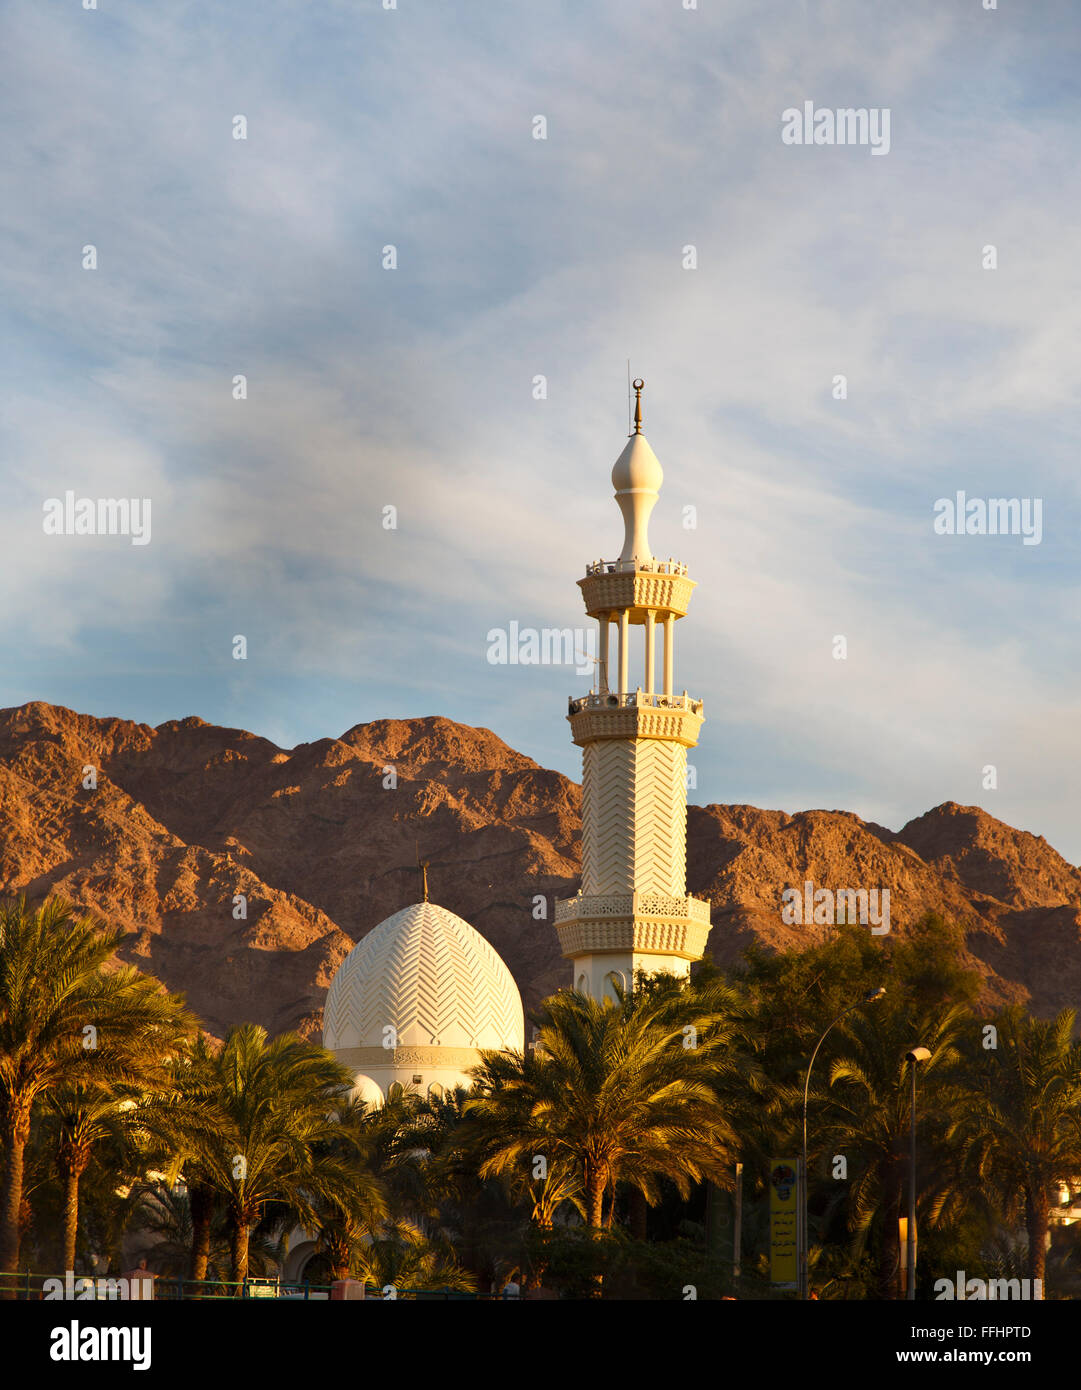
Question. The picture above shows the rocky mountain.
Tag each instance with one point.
(175, 832)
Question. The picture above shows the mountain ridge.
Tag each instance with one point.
(321, 840)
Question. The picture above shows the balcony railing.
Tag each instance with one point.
(668, 566)
(631, 905)
(638, 699)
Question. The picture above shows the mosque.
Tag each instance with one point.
(417, 1000)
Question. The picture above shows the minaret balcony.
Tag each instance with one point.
(658, 586)
(636, 567)
(640, 714)
(642, 922)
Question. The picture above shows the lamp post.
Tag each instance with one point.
(913, 1057)
(803, 1242)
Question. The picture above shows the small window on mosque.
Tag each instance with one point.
(583, 985)
(394, 1090)
(417, 1079)
(435, 1091)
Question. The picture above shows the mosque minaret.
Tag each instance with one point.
(632, 911)
(423, 994)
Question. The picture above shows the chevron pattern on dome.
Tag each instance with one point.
(426, 974)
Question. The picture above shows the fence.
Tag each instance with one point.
(32, 1287)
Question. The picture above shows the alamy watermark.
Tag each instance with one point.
(991, 516)
(136, 1286)
(548, 646)
(97, 516)
(1026, 1290)
(93, 1343)
(848, 125)
(825, 907)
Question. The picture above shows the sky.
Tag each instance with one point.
(478, 387)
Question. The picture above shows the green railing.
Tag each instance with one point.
(171, 1289)
(31, 1287)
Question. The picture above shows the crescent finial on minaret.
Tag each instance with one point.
(639, 386)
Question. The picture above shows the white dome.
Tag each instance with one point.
(429, 976)
(637, 478)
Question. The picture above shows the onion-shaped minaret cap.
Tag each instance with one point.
(637, 478)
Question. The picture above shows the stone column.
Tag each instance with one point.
(651, 628)
(602, 669)
(624, 648)
(669, 623)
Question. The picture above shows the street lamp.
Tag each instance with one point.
(915, 1055)
(803, 1242)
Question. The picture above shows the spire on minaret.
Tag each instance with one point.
(639, 385)
(423, 867)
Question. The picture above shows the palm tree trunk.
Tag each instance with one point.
(71, 1161)
(239, 1249)
(71, 1212)
(11, 1203)
(201, 1203)
(533, 1269)
(595, 1186)
(1037, 1222)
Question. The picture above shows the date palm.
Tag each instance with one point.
(80, 1117)
(479, 1219)
(405, 1260)
(611, 1094)
(163, 1211)
(193, 1085)
(347, 1216)
(263, 1129)
(869, 1113)
(162, 1215)
(1018, 1121)
(64, 1020)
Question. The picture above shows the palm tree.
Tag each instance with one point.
(508, 1085)
(193, 1080)
(1018, 1124)
(163, 1213)
(869, 1112)
(63, 1020)
(266, 1131)
(405, 1260)
(80, 1116)
(477, 1219)
(347, 1217)
(611, 1094)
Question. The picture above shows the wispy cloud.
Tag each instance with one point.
(560, 258)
